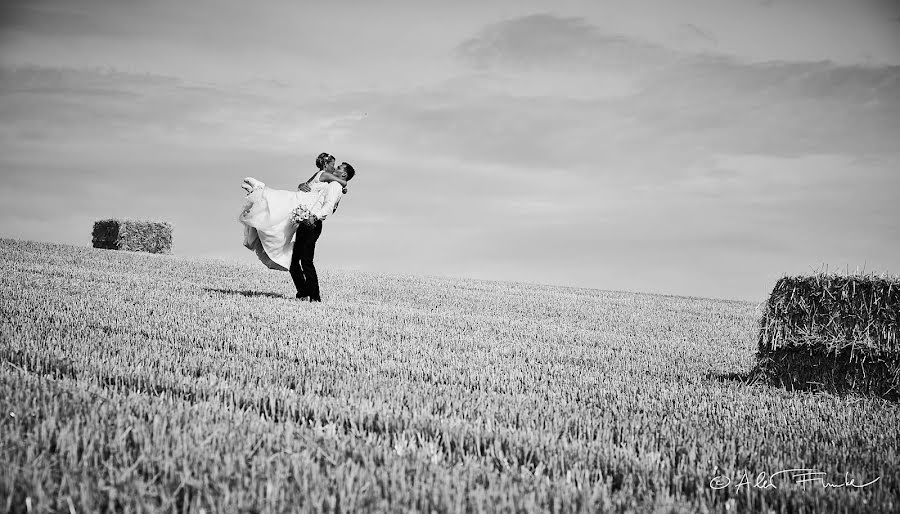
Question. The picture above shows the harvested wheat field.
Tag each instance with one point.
(136, 382)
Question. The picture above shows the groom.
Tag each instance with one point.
(302, 269)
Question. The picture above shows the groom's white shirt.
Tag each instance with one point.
(328, 200)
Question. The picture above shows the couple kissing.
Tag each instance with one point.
(282, 226)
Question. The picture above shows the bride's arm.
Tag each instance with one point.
(304, 186)
(328, 177)
(325, 177)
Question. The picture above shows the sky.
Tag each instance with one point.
(686, 147)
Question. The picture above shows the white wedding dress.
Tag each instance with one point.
(268, 230)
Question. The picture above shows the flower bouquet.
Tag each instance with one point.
(301, 217)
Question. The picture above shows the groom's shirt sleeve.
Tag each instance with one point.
(330, 198)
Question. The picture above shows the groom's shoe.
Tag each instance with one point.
(302, 298)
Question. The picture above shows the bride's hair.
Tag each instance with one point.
(322, 159)
(349, 169)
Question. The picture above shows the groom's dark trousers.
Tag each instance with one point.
(302, 269)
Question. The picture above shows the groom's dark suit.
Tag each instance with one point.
(303, 271)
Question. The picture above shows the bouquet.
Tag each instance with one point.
(300, 216)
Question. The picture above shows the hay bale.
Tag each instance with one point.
(133, 235)
(832, 332)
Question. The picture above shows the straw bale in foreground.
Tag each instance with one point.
(840, 333)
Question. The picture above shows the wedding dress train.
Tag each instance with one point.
(268, 230)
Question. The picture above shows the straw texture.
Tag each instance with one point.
(133, 235)
(835, 332)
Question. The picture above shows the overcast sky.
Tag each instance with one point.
(690, 147)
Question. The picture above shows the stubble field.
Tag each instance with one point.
(133, 382)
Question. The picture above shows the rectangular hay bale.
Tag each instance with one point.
(133, 235)
(833, 332)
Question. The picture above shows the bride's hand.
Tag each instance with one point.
(304, 187)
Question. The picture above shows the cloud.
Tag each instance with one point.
(548, 55)
(671, 121)
(560, 43)
(489, 121)
(672, 109)
(54, 19)
(86, 106)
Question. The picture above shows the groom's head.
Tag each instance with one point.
(325, 161)
(346, 170)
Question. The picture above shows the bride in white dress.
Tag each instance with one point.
(266, 216)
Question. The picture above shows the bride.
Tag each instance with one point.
(266, 215)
